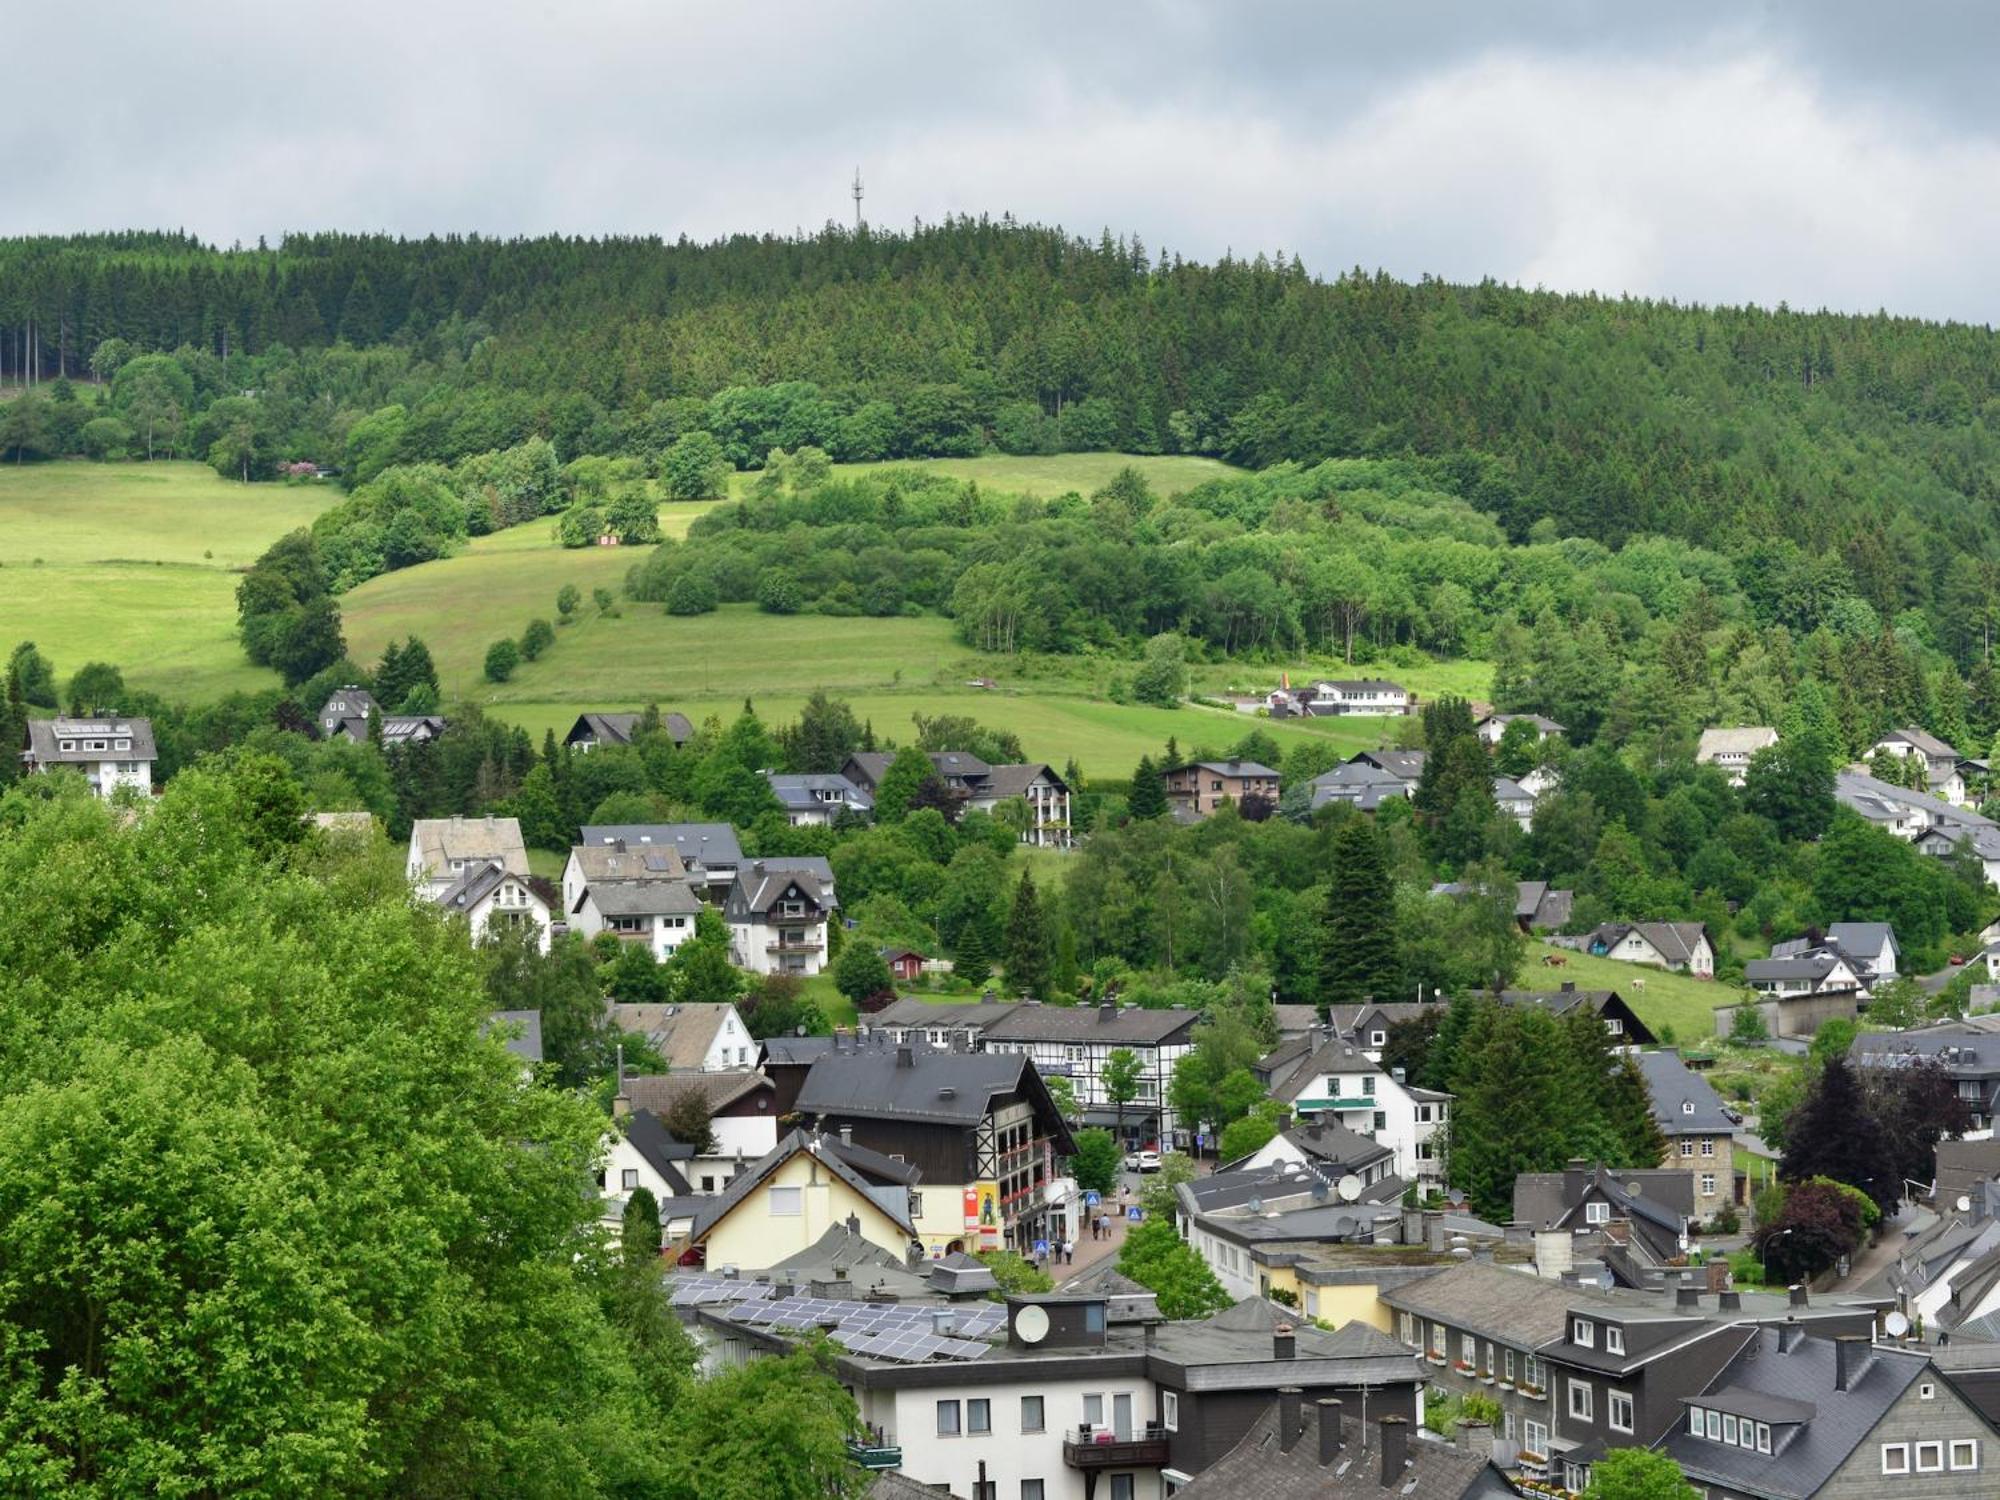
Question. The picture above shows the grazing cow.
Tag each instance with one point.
(1638, 984)
(1554, 961)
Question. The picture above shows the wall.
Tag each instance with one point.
(752, 1236)
(1944, 1417)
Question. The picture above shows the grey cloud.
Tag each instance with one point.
(1831, 153)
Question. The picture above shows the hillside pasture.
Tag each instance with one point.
(1677, 1000)
(1049, 476)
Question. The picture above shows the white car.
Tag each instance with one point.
(1142, 1161)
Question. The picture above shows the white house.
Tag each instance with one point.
(1732, 749)
(695, 1037)
(1871, 945)
(639, 1153)
(1076, 1042)
(113, 754)
(777, 911)
(1679, 947)
(1942, 774)
(1808, 971)
(443, 849)
(1491, 727)
(1515, 800)
(817, 801)
(490, 897)
(1341, 1083)
(642, 895)
(1368, 695)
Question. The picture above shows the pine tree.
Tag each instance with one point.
(971, 957)
(1029, 950)
(390, 682)
(1358, 956)
(1149, 791)
(1513, 1113)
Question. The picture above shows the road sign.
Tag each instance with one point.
(1132, 1213)
(1041, 1248)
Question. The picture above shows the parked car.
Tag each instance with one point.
(1142, 1161)
(1957, 959)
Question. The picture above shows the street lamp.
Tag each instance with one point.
(1767, 1253)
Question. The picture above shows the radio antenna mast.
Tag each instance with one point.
(857, 200)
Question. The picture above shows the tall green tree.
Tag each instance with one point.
(1120, 1077)
(1358, 920)
(1149, 791)
(1030, 948)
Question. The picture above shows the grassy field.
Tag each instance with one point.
(1050, 476)
(1675, 1000)
(133, 564)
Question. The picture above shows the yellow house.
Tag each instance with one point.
(784, 1203)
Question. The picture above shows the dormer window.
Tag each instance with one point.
(1583, 1332)
(1614, 1340)
(1596, 1211)
(1687, 1106)
(68, 747)
(124, 744)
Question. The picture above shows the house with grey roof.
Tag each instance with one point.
(1700, 1133)
(1795, 1415)
(1872, 947)
(1368, 779)
(1626, 1027)
(1678, 947)
(1944, 776)
(1492, 727)
(1656, 1205)
(493, 899)
(640, 893)
(701, 1037)
(742, 1116)
(112, 753)
(1318, 1450)
(1199, 788)
(708, 851)
(1076, 1042)
(1968, 1049)
(1341, 1083)
(819, 801)
(443, 849)
(591, 730)
(521, 1030)
(1030, 791)
(640, 1152)
(777, 912)
(348, 710)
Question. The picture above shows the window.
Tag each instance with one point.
(1368, 1085)
(1930, 1458)
(1093, 1410)
(1895, 1458)
(1687, 1147)
(1927, 1391)
(1729, 1429)
(1122, 1487)
(1613, 1025)
(1437, 1340)
(1423, 1114)
(1964, 1453)
(1031, 1415)
(1093, 1317)
(1708, 1145)
(1579, 1400)
(1381, 1120)
(1531, 1372)
(1694, 1421)
(1687, 1106)
(1583, 1331)
(1746, 1433)
(916, 1205)
(787, 1202)
(947, 1419)
(1170, 1411)
(1468, 1348)
(1763, 1437)
(1619, 1411)
(1536, 1437)
(1507, 1359)
(1614, 1340)
(1407, 1326)
(1596, 1212)
(979, 1416)
(629, 1178)
(68, 746)
(1714, 1426)
(1378, 1038)
(1708, 1184)
(124, 745)
(708, 1184)
(1031, 1489)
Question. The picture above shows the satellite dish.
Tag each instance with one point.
(1964, 1204)
(1349, 1188)
(1031, 1324)
(1633, 1189)
(1896, 1324)
(1456, 1197)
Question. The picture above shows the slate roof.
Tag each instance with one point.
(762, 883)
(1511, 1307)
(1811, 967)
(1546, 726)
(1260, 1467)
(343, 704)
(939, 1088)
(1126, 1026)
(1863, 937)
(1674, 941)
(1932, 747)
(1330, 1145)
(1793, 1385)
(1014, 780)
(711, 845)
(805, 793)
(618, 729)
(439, 841)
(641, 898)
(1658, 1211)
(46, 737)
(623, 861)
(525, 1032)
(1336, 1056)
(681, 1034)
(655, 1091)
(658, 1148)
(474, 884)
(1229, 768)
(907, 1010)
(1672, 1084)
(1963, 1165)
(746, 1182)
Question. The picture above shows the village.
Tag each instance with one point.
(1050, 1272)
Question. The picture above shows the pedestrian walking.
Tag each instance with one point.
(1069, 1252)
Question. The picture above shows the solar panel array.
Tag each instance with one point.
(886, 1330)
(707, 1291)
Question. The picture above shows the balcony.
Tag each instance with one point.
(1100, 1449)
(792, 945)
(874, 1454)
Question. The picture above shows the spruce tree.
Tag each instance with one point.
(1149, 791)
(639, 1232)
(971, 957)
(1029, 950)
(1358, 956)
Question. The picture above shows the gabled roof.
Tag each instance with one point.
(1546, 726)
(816, 793)
(46, 738)
(908, 1010)
(1672, 1085)
(476, 883)
(1963, 1166)
(641, 898)
(1673, 941)
(619, 860)
(524, 1027)
(682, 1034)
(1230, 768)
(1811, 967)
(1336, 1056)
(1329, 1147)
(1014, 780)
(618, 729)
(1932, 747)
(763, 883)
(436, 842)
(745, 1183)
(1864, 937)
(711, 845)
(1260, 1468)
(1116, 1026)
(658, 1148)
(1747, 741)
(956, 1089)
(1657, 1201)
(1797, 1388)
(656, 1091)
(1510, 1306)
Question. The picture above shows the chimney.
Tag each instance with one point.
(1789, 1334)
(1569, 986)
(1152, 1334)
(1576, 1172)
(1290, 1420)
(1478, 1438)
(1687, 1298)
(621, 1102)
(943, 1320)
(1107, 1013)
(1395, 1451)
(1284, 1343)
(1330, 1435)
(905, 1058)
(1729, 1301)
(1850, 1358)
(1798, 1294)
(847, 1135)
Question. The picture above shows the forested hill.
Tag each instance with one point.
(1871, 437)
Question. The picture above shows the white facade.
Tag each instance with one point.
(1017, 1444)
(510, 904)
(1370, 1102)
(1366, 697)
(1636, 948)
(1082, 1062)
(625, 1170)
(659, 931)
(775, 943)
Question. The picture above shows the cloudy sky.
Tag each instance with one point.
(1835, 153)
